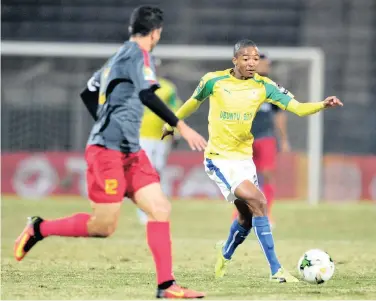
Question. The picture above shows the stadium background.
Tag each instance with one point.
(44, 125)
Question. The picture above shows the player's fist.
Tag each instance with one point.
(194, 139)
(332, 101)
(167, 131)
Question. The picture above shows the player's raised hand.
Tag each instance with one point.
(194, 139)
(332, 101)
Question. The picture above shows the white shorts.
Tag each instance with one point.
(157, 151)
(229, 174)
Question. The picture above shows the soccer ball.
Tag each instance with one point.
(316, 266)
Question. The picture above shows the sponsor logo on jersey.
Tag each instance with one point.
(282, 90)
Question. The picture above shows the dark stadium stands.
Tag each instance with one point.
(345, 30)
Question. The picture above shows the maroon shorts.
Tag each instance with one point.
(111, 174)
(265, 153)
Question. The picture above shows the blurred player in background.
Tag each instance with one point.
(117, 166)
(156, 149)
(269, 121)
(235, 97)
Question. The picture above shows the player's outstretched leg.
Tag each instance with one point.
(101, 223)
(106, 187)
(255, 203)
(240, 228)
(154, 203)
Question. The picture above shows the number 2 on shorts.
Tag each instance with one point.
(110, 186)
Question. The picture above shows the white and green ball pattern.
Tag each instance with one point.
(316, 266)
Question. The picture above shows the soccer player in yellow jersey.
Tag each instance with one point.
(151, 126)
(235, 96)
(156, 149)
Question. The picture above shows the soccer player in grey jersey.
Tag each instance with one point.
(117, 166)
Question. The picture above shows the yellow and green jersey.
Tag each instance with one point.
(151, 125)
(233, 106)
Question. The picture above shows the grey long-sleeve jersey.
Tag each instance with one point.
(120, 110)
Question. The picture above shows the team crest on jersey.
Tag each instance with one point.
(149, 74)
(200, 86)
(106, 71)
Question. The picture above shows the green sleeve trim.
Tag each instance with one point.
(172, 99)
(275, 96)
(205, 89)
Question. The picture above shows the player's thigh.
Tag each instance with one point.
(162, 151)
(221, 173)
(243, 170)
(153, 202)
(106, 181)
(150, 147)
(144, 188)
(246, 187)
(229, 174)
(265, 156)
(254, 200)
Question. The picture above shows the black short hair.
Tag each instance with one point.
(144, 19)
(242, 44)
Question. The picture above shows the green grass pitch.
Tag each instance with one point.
(121, 267)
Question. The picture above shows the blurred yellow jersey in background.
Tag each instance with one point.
(151, 125)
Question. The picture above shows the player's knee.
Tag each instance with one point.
(261, 205)
(257, 204)
(102, 227)
(160, 210)
(106, 230)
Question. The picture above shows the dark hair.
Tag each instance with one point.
(263, 56)
(144, 19)
(242, 44)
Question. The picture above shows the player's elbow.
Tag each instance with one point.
(145, 96)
